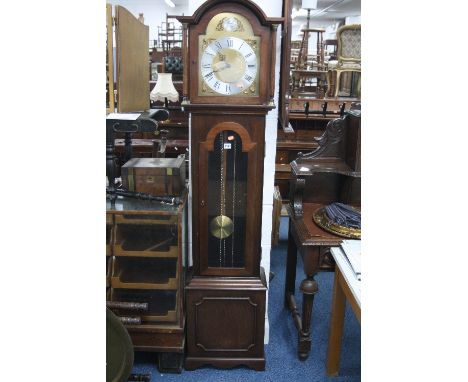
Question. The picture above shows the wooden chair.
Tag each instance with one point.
(349, 57)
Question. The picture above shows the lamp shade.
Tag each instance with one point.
(164, 88)
(309, 4)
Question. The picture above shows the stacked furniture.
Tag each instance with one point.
(146, 259)
(307, 120)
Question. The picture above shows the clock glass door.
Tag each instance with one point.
(227, 201)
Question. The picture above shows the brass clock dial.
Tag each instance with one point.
(228, 65)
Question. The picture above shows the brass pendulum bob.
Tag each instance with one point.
(221, 227)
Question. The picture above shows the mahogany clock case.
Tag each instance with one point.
(226, 295)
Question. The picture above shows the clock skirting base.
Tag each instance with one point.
(225, 322)
(192, 363)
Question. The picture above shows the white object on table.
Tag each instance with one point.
(352, 250)
(345, 267)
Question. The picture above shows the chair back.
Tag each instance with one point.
(349, 46)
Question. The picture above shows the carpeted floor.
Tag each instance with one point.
(282, 363)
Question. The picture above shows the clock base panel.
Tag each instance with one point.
(225, 322)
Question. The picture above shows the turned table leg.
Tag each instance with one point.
(290, 267)
(309, 288)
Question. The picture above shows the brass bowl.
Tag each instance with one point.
(321, 219)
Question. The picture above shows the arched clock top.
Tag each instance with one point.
(254, 8)
(247, 143)
(229, 53)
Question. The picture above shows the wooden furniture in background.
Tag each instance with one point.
(318, 58)
(349, 61)
(346, 287)
(276, 219)
(330, 173)
(306, 122)
(132, 62)
(330, 52)
(169, 34)
(146, 253)
(309, 74)
(110, 104)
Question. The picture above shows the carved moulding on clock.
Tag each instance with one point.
(225, 24)
(207, 306)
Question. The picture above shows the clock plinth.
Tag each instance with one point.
(229, 50)
(227, 320)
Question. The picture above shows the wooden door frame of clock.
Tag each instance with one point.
(205, 148)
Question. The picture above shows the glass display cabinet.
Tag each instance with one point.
(146, 260)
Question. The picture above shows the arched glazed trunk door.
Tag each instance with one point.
(225, 211)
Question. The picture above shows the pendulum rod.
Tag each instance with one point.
(223, 185)
(234, 186)
(221, 189)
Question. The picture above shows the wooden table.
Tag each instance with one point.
(330, 173)
(346, 287)
(313, 244)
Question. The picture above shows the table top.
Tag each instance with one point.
(348, 273)
(308, 232)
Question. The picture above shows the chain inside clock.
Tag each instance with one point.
(227, 201)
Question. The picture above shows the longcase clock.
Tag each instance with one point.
(229, 62)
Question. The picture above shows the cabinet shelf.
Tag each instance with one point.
(146, 219)
(146, 240)
(171, 284)
(162, 304)
(172, 252)
(145, 273)
(320, 165)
